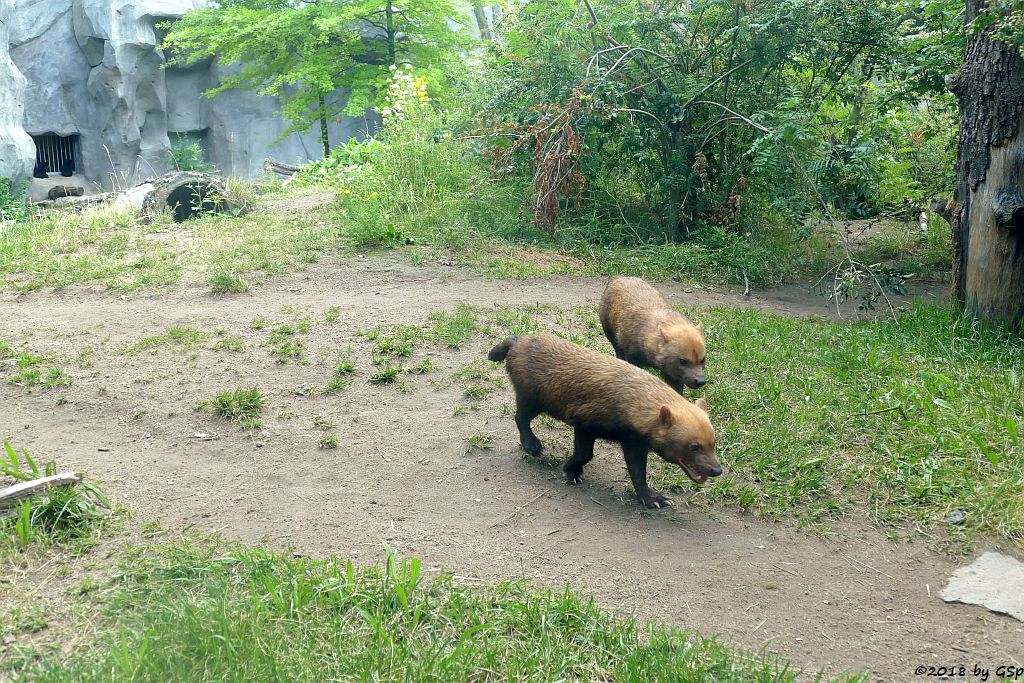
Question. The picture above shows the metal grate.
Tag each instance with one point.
(58, 152)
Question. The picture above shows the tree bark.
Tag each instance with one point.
(389, 23)
(325, 138)
(482, 23)
(988, 204)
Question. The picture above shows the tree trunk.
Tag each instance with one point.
(325, 138)
(672, 148)
(389, 23)
(988, 203)
(482, 22)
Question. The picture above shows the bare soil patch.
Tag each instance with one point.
(404, 472)
(301, 204)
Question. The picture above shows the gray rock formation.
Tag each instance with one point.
(17, 153)
(94, 69)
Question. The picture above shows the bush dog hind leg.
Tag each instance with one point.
(526, 410)
(582, 453)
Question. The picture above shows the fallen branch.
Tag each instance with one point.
(520, 508)
(279, 167)
(26, 489)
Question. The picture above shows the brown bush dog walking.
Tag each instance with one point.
(645, 331)
(605, 398)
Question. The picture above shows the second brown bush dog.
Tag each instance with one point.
(605, 398)
(645, 331)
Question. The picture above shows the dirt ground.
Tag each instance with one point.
(402, 473)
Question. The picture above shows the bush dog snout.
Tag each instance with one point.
(645, 331)
(605, 398)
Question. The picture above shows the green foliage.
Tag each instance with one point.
(305, 53)
(193, 611)
(710, 114)
(416, 181)
(1005, 18)
(188, 155)
(12, 202)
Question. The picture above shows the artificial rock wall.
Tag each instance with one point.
(95, 69)
(17, 153)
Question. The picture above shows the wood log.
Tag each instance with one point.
(187, 194)
(58, 191)
(280, 168)
(26, 489)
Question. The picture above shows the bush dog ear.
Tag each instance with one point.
(665, 416)
(700, 328)
(702, 404)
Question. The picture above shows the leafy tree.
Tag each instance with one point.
(703, 101)
(305, 52)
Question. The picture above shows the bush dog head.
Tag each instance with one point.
(680, 353)
(684, 436)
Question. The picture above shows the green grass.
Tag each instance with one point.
(480, 441)
(386, 375)
(448, 329)
(909, 249)
(180, 337)
(228, 283)
(199, 611)
(321, 422)
(284, 340)
(232, 343)
(435, 206)
(328, 441)
(423, 367)
(478, 378)
(241, 405)
(63, 515)
(335, 384)
(29, 370)
(902, 420)
(112, 247)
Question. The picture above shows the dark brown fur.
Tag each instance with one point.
(645, 331)
(605, 398)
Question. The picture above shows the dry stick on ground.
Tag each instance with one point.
(520, 508)
(868, 566)
(874, 412)
(27, 489)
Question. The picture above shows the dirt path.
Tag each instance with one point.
(402, 473)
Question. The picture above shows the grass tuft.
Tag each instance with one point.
(228, 283)
(241, 405)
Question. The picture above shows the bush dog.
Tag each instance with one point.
(605, 398)
(645, 331)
